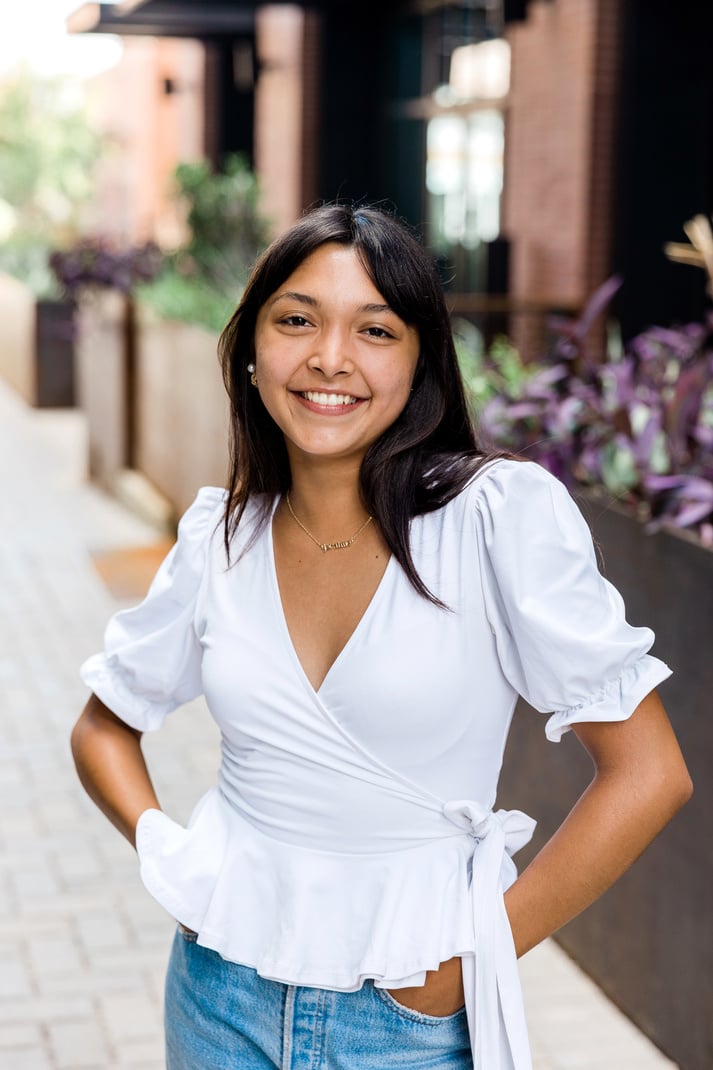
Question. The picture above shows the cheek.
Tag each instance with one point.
(398, 385)
(410, 366)
(278, 362)
(263, 352)
(271, 368)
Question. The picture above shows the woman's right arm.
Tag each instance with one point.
(110, 763)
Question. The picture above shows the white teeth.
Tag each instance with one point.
(328, 399)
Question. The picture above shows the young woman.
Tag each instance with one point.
(361, 609)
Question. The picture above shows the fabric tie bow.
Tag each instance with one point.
(491, 980)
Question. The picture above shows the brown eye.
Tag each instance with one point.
(378, 332)
(295, 321)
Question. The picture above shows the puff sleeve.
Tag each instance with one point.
(151, 661)
(560, 628)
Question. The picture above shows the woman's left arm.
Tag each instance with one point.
(640, 782)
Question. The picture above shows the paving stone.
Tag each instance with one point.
(136, 958)
(14, 978)
(7, 901)
(130, 1017)
(78, 868)
(18, 1036)
(32, 1058)
(35, 882)
(54, 955)
(102, 931)
(155, 977)
(141, 1055)
(45, 1009)
(79, 1045)
(12, 776)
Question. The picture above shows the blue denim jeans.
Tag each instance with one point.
(222, 1016)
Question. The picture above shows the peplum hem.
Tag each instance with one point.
(345, 917)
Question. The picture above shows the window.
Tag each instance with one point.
(464, 155)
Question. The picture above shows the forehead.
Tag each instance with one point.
(331, 274)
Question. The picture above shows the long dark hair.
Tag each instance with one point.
(430, 451)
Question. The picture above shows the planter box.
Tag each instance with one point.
(104, 347)
(181, 409)
(36, 346)
(55, 327)
(649, 941)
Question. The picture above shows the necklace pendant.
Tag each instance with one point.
(335, 545)
(326, 546)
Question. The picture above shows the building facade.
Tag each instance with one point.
(539, 146)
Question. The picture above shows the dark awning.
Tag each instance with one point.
(165, 18)
(203, 18)
(218, 18)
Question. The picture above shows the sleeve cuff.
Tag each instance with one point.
(616, 701)
(105, 680)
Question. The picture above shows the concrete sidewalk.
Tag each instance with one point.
(82, 945)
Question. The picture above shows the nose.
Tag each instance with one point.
(332, 354)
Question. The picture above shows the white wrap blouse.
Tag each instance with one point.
(351, 834)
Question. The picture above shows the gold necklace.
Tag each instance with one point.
(325, 546)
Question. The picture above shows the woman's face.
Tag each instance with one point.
(334, 363)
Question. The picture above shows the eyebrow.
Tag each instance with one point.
(303, 299)
(306, 299)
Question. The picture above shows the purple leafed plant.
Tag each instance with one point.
(640, 423)
(94, 262)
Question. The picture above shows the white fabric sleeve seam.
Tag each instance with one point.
(640, 678)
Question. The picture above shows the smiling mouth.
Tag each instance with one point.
(332, 400)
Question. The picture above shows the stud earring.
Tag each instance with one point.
(253, 376)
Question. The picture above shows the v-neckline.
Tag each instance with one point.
(358, 627)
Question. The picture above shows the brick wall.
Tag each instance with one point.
(150, 109)
(286, 111)
(559, 151)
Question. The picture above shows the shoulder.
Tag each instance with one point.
(521, 504)
(203, 513)
(196, 530)
(503, 477)
(513, 488)
(521, 510)
(201, 530)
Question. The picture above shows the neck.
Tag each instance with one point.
(327, 493)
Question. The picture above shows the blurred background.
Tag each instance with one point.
(556, 156)
(542, 149)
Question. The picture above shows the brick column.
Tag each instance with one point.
(285, 110)
(559, 149)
